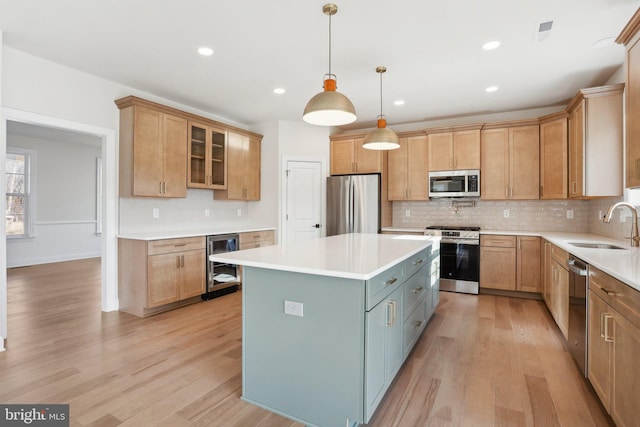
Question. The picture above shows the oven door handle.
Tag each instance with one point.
(474, 242)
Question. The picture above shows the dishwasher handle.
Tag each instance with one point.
(577, 267)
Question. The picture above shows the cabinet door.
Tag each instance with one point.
(342, 157)
(560, 296)
(625, 373)
(528, 264)
(633, 114)
(440, 151)
(524, 164)
(417, 172)
(599, 348)
(218, 159)
(547, 275)
(174, 132)
(498, 268)
(147, 152)
(163, 279)
(494, 160)
(235, 168)
(192, 273)
(198, 152)
(395, 332)
(251, 168)
(553, 159)
(397, 171)
(466, 149)
(576, 151)
(367, 161)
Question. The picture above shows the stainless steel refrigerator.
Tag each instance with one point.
(353, 204)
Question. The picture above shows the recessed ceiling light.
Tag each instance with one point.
(492, 88)
(605, 42)
(398, 102)
(205, 51)
(279, 91)
(491, 45)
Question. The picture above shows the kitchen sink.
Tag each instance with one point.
(596, 245)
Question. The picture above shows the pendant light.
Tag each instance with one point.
(381, 138)
(329, 108)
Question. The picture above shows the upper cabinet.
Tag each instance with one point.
(153, 152)
(454, 148)
(407, 169)
(509, 157)
(630, 37)
(553, 156)
(207, 157)
(348, 157)
(595, 142)
(243, 168)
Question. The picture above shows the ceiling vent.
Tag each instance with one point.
(543, 30)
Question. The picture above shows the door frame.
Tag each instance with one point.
(109, 247)
(284, 194)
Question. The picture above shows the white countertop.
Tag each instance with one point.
(350, 256)
(159, 235)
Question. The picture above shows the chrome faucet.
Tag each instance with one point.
(635, 238)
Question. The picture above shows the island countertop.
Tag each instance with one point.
(350, 256)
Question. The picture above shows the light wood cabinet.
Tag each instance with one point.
(256, 239)
(207, 164)
(348, 157)
(547, 274)
(498, 262)
(407, 169)
(557, 291)
(630, 37)
(153, 153)
(553, 156)
(509, 159)
(528, 264)
(595, 142)
(614, 345)
(158, 275)
(454, 149)
(243, 168)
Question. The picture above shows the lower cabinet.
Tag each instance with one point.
(256, 239)
(158, 275)
(614, 345)
(510, 263)
(556, 286)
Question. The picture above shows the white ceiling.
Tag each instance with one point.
(432, 51)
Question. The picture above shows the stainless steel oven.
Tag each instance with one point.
(222, 278)
(459, 258)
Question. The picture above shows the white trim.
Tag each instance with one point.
(75, 221)
(30, 191)
(110, 199)
(283, 192)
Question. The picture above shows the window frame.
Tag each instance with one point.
(29, 194)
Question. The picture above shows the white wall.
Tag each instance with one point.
(64, 189)
(3, 231)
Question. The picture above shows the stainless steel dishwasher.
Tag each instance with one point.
(578, 289)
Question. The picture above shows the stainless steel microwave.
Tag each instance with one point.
(461, 183)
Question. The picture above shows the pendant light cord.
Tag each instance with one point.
(380, 94)
(329, 45)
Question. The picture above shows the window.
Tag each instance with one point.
(18, 213)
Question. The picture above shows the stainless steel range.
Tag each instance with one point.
(459, 257)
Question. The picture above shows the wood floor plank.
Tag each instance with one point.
(482, 360)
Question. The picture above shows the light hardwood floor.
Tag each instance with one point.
(482, 361)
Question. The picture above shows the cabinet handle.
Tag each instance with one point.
(519, 244)
(506, 192)
(179, 244)
(417, 324)
(607, 317)
(418, 261)
(181, 261)
(391, 281)
(418, 290)
(177, 261)
(607, 291)
(510, 192)
(391, 313)
(160, 187)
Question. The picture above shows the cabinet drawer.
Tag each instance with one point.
(255, 236)
(618, 295)
(414, 325)
(560, 255)
(383, 284)
(253, 245)
(415, 263)
(415, 289)
(167, 246)
(498, 241)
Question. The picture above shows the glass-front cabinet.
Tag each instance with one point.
(207, 157)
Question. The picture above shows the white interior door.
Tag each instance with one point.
(303, 214)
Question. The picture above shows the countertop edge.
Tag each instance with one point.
(189, 233)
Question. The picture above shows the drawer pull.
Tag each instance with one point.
(180, 244)
(417, 324)
(608, 292)
(418, 261)
(418, 290)
(391, 281)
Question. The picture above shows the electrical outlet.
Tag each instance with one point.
(569, 213)
(407, 213)
(505, 213)
(293, 308)
(239, 212)
(156, 213)
(207, 213)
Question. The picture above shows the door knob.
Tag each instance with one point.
(315, 226)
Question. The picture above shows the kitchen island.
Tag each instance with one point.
(327, 323)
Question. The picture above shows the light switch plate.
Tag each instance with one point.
(293, 308)
(156, 213)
